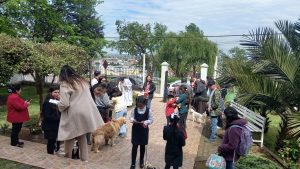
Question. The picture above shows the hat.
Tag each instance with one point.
(97, 72)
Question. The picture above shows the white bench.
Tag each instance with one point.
(256, 122)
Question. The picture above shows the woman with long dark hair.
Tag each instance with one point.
(79, 114)
(175, 137)
(232, 137)
(149, 89)
(17, 113)
(51, 116)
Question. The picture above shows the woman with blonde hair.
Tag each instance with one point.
(79, 114)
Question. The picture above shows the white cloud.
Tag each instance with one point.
(214, 17)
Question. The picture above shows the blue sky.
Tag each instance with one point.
(214, 17)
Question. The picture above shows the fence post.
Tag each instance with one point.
(203, 71)
(164, 68)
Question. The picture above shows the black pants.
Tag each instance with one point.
(14, 137)
(134, 153)
(168, 167)
(52, 145)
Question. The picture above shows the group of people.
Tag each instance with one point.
(205, 97)
(76, 108)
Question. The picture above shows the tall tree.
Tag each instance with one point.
(137, 39)
(188, 47)
(85, 24)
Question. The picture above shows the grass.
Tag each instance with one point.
(271, 136)
(28, 92)
(7, 164)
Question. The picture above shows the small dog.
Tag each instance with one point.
(197, 116)
(106, 132)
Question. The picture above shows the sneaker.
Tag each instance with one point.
(60, 152)
(132, 167)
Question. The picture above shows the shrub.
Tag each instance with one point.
(256, 162)
(172, 79)
(290, 152)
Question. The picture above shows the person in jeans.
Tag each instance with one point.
(17, 113)
(51, 118)
(79, 114)
(120, 109)
(149, 89)
(214, 109)
(182, 106)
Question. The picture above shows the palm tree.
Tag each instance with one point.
(269, 78)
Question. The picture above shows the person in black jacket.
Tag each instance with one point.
(51, 117)
(149, 89)
(175, 137)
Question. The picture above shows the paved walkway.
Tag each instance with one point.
(117, 157)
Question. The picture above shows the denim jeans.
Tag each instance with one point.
(149, 103)
(123, 128)
(230, 165)
(213, 128)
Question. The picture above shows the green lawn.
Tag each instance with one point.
(271, 136)
(7, 164)
(28, 92)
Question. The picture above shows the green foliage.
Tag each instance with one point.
(86, 28)
(269, 77)
(12, 52)
(291, 151)
(188, 47)
(4, 128)
(256, 162)
(137, 39)
(7, 164)
(172, 79)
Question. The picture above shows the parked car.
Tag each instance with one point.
(173, 85)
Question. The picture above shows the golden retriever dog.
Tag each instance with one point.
(106, 132)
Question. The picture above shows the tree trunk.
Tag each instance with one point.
(282, 134)
(54, 76)
(39, 85)
(194, 70)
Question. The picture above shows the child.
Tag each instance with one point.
(141, 117)
(102, 100)
(120, 110)
(51, 118)
(170, 107)
(175, 137)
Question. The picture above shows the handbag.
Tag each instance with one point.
(215, 161)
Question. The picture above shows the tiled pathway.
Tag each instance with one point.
(117, 157)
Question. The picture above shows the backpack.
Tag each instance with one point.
(245, 142)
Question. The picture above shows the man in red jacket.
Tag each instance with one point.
(17, 113)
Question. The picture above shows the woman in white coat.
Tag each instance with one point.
(125, 87)
(79, 114)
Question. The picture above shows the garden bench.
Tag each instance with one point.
(256, 122)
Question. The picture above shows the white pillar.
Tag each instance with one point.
(203, 71)
(164, 68)
(216, 68)
(144, 67)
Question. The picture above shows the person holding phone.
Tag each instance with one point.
(17, 113)
(141, 117)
